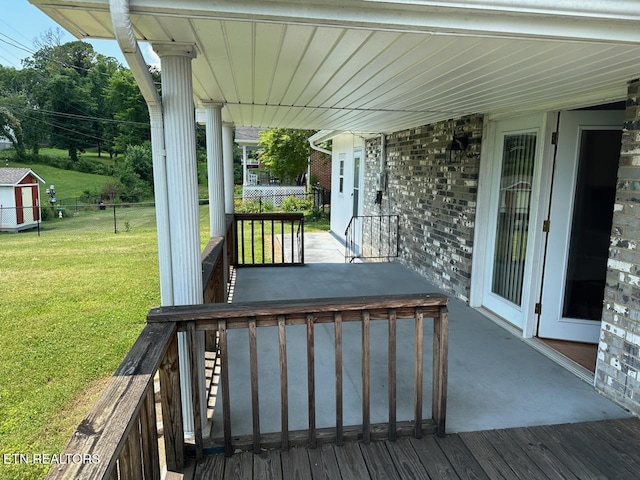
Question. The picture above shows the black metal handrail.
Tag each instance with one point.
(372, 237)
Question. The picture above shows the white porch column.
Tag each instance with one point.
(182, 187)
(227, 153)
(245, 158)
(215, 168)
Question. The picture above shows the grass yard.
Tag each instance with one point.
(72, 302)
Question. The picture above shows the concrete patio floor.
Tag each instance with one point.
(496, 380)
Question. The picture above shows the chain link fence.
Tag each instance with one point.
(97, 216)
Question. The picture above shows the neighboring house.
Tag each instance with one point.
(454, 100)
(247, 138)
(5, 144)
(19, 199)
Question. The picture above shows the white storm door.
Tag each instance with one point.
(584, 186)
(507, 269)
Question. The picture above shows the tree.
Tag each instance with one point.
(11, 129)
(285, 152)
(130, 109)
(71, 102)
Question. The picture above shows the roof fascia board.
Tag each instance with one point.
(577, 20)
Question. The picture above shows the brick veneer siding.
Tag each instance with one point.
(434, 198)
(320, 169)
(618, 352)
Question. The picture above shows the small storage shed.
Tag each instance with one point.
(19, 199)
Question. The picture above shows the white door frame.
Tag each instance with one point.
(487, 190)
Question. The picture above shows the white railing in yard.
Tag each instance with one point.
(275, 194)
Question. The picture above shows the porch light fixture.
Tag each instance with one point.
(458, 144)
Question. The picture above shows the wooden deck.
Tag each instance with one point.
(608, 449)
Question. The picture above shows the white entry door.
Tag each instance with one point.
(584, 186)
(512, 209)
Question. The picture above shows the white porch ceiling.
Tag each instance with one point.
(383, 66)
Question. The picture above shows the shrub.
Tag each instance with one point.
(293, 204)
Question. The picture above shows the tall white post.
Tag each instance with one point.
(215, 168)
(227, 151)
(182, 187)
(245, 158)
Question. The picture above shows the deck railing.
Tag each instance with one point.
(312, 313)
(118, 439)
(264, 239)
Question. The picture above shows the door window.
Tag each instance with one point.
(512, 223)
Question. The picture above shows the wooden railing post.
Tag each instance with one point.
(392, 375)
(440, 361)
(196, 393)
(419, 336)
(171, 403)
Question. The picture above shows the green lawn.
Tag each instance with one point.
(72, 302)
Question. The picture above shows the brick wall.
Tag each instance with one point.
(435, 199)
(320, 169)
(618, 352)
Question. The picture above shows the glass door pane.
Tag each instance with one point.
(591, 223)
(514, 207)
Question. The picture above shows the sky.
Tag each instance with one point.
(21, 23)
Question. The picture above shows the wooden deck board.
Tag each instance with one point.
(595, 450)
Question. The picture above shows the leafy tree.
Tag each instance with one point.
(130, 108)
(71, 102)
(285, 152)
(11, 129)
(100, 75)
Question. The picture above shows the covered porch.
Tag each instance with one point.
(491, 380)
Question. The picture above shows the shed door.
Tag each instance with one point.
(19, 206)
(27, 205)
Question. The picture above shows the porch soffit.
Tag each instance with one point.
(373, 66)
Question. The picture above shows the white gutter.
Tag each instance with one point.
(123, 30)
(320, 137)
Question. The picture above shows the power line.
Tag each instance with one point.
(81, 117)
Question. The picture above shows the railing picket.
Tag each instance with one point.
(282, 242)
(253, 243)
(417, 427)
(114, 472)
(293, 248)
(171, 403)
(284, 388)
(440, 342)
(264, 253)
(339, 406)
(273, 243)
(132, 460)
(366, 378)
(253, 366)
(244, 258)
(224, 384)
(311, 381)
(392, 375)
(148, 421)
(195, 387)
